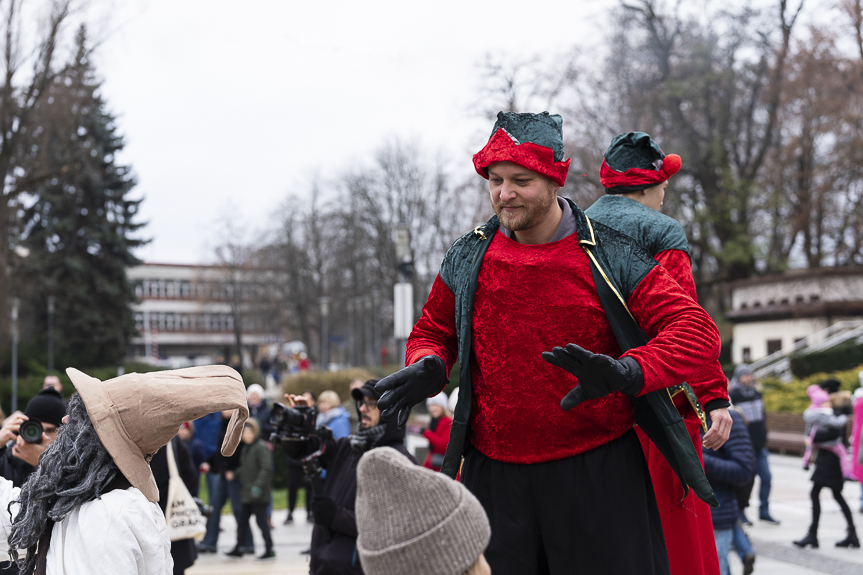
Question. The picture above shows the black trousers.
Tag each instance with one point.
(588, 514)
(259, 510)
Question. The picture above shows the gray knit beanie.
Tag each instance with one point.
(413, 520)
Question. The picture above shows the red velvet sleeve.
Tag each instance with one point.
(678, 264)
(435, 333)
(683, 335)
(709, 384)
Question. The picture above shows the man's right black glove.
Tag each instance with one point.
(409, 386)
(598, 375)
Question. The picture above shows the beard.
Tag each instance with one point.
(528, 215)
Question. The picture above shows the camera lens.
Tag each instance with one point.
(31, 431)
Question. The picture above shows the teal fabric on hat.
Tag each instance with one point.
(542, 129)
(633, 150)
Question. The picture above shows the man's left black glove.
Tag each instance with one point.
(324, 509)
(598, 375)
(409, 386)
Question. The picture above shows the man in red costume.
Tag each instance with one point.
(550, 380)
(635, 173)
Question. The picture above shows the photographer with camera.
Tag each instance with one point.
(24, 436)
(334, 537)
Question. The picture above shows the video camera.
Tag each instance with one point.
(298, 424)
(293, 423)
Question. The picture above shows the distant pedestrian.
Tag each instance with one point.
(332, 415)
(411, 520)
(438, 430)
(256, 480)
(826, 429)
(223, 485)
(828, 472)
(196, 450)
(183, 551)
(259, 408)
(726, 468)
(749, 403)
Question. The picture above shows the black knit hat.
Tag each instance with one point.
(46, 407)
(367, 390)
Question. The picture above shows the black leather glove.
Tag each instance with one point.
(324, 509)
(598, 375)
(409, 386)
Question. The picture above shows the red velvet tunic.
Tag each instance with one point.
(534, 297)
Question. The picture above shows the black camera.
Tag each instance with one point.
(292, 423)
(31, 431)
(203, 508)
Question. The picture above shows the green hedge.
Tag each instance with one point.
(791, 396)
(841, 357)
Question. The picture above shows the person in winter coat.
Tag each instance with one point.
(438, 430)
(748, 402)
(183, 551)
(256, 480)
(259, 408)
(333, 415)
(828, 472)
(334, 538)
(197, 451)
(728, 467)
(826, 429)
(222, 486)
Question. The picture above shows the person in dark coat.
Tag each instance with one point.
(183, 551)
(334, 539)
(197, 451)
(726, 468)
(256, 482)
(223, 485)
(828, 473)
(747, 400)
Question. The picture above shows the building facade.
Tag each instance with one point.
(772, 313)
(190, 314)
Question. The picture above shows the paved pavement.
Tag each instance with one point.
(775, 553)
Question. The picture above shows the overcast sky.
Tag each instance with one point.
(233, 105)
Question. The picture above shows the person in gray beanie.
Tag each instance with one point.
(413, 520)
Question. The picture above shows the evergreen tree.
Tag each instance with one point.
(80, 228)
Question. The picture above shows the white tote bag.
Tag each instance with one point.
(182, 514)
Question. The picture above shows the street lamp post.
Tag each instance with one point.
(15, 303)
(403, 291)
(376, 322)
(325, 336)
(51, 302)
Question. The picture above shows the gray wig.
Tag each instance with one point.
(74, 469)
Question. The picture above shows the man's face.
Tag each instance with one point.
(655, 196)
(370, 415)
(52, 381)
(746, 379)
(521, 198)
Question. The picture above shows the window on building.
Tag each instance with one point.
(747, 355)
(773, 345)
